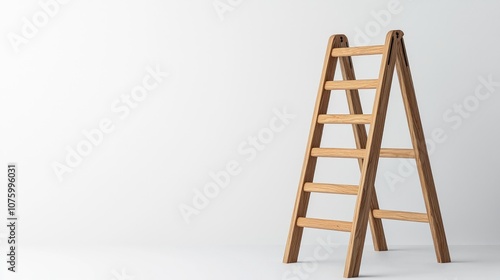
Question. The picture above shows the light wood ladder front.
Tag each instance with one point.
(368, 151)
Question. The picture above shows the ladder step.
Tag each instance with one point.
(397, 153)
(337, 152)
(345, 119)
(401, 215)
(324, 224)
(361, 153)
(368, 50)
(331, 188)
(351, 84)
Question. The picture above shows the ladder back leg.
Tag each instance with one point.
(422, 157)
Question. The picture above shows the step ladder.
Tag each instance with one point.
(368, 151)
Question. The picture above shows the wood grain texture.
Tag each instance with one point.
(368, 151)
(324, 224)
(397, 153)
(354, 84)
(345, 119)
(370, 164)
(361, 153)
(401, 215)
(422, 157)
(302, 200)
(361, 137)
(331, 188)
(338, 152)
(353, 51)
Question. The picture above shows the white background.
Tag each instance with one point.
(228, 72)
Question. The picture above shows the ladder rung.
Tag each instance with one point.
(360, 153)
(351, 84)
(368, 50)
(331, 188)
(324, 224)
(338, 152)
(345, 119)
(397, 153)
(400, 215)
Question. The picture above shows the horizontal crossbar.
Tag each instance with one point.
(361, 153)
(331, 188)
(324, 224)
(366, 50)
(400, 215)
(351, 84)
(338, 152)
(345, 119)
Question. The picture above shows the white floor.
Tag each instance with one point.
(255, 263)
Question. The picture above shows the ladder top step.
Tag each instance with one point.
(361, 153)
(345, 119)
(324, 224)
(351, 84)
(331, 188)
(365, 50)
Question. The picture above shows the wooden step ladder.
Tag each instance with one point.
(368, 151)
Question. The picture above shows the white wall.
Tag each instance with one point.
(227, 79)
